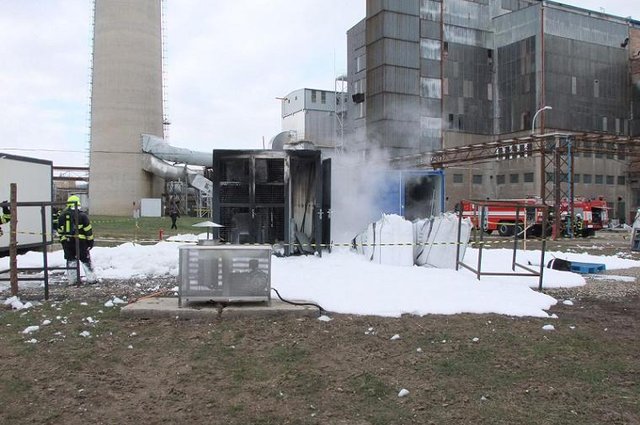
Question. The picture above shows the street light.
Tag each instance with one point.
(533, 121)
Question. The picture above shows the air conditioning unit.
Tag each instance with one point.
(224, 273)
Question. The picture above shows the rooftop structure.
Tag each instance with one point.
(315, 115)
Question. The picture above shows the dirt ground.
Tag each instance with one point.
(462, 369)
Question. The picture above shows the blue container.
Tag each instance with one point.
(412, 194)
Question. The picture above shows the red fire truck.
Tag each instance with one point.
(501, 216)
(589, 216)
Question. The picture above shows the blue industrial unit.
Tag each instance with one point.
(412, 194)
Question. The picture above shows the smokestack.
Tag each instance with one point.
(126, 100)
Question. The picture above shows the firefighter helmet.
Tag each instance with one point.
(73, 201)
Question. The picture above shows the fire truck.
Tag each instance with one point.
(501, 216)
(589, 216)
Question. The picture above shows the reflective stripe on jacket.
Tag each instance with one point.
(67, 222)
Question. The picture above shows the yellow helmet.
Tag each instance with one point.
(73, 201)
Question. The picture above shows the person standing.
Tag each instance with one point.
(74, 223)
(174, 213)
(5, 216)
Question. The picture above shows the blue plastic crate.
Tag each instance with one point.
(587, 267)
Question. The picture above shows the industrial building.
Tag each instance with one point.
(316, 116)
(427, 75)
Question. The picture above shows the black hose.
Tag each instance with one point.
(322, 310)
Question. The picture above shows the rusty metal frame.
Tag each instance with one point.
(556, 157)
(519, 206)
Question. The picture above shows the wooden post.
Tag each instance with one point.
(13, 243)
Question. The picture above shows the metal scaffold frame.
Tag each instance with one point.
(557, 158)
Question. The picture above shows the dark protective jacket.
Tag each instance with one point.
(67, 226)
(5, 215)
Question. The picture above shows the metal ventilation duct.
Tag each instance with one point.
(159, 148)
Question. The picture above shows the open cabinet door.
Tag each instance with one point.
(326, 203)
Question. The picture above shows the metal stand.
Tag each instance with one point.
(516, 233)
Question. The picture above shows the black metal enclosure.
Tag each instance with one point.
(271, 197)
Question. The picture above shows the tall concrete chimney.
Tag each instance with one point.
(126, 100)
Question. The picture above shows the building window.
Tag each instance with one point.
(599, 147)
(525, 121)
(430, 49)
(528, 177)
(445, 86)
(460, 123)
(477, 179)
(500, 178)
(323, 97)
(610, 180)
(361, 110)
(596, 88)
(431, 87)
(314, 96)
(621, 153)
(599, 179)
(467, 88)
(458, 178)
(621, 180)
(576, 178)
(450, 121)
(514, 178)
(587, 178)
(574, 85)
(489, 91)
(361, 63)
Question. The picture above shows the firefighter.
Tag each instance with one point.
(578, 226)
(68, 219)
(5, 216)
(564, 223)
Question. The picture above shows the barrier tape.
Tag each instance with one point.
(507, 240)
(321, 245)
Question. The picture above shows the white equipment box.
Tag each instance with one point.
(224, 273)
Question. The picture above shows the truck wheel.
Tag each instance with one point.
(505, 229)
(520, 229)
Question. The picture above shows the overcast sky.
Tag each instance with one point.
(226, 63)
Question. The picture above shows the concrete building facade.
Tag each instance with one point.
(435, 74)
(126, 100)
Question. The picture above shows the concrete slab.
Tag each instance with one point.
(168, 308)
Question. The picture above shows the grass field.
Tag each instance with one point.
(303, 371)
(107, 228)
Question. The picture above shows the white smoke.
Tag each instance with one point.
(355, 193)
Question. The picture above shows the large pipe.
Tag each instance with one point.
(156, 154)
(163, 150)
(162, 169)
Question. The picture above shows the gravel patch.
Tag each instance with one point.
(601, 288)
